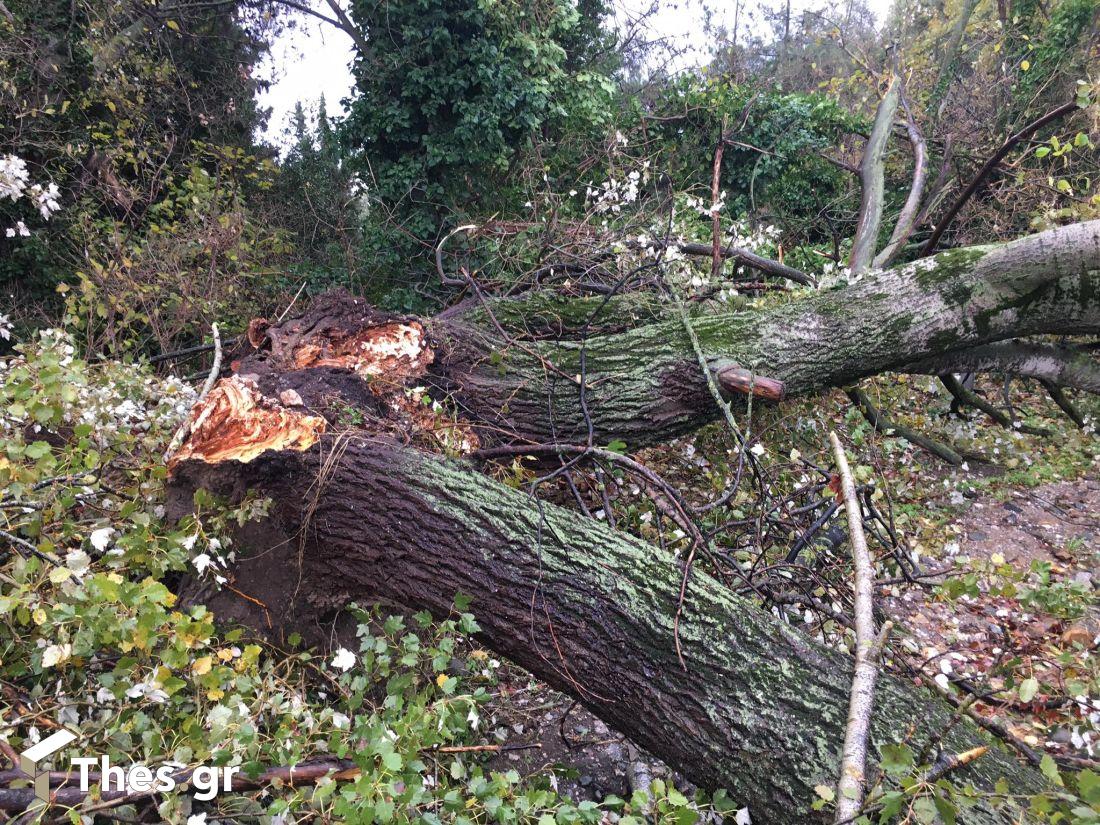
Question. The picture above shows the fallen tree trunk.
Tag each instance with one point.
(759, 708)
(642, 381)
(328, 419)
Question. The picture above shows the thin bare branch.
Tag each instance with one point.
(850, 788)
(215, 370)
(987, 169)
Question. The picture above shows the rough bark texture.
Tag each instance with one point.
(760, 708)
(644, 385)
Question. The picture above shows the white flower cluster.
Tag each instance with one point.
(14, 177)
(761, 239)
(210, 560)
(612, 195)
(115, 400)
(701, 206)
(45, 199)
(15, 184)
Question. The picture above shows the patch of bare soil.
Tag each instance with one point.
(548, 733)
(989, 643)
(1056, 522)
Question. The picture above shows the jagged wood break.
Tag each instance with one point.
(371, 510)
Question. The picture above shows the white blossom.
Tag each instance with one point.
(343, 660)
(101, 538)
(13, 177)
(55, 654)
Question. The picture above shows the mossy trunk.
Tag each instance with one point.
(757, 708)
(643, 384)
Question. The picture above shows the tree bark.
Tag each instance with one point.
(643, 384)
(758, 708)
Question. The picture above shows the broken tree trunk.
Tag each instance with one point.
(760, 708)
(329, 420)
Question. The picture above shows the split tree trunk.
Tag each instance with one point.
(317, 418)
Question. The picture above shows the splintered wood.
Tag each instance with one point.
(394, 351)
(235, 422)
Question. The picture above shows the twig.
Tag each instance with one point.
(884, 425)
(215, 369)
(484, 748)
(949, 762)
(972, 399)
(1059, 397)
(444, 278)
(852, 766)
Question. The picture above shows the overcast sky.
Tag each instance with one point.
(312, 59)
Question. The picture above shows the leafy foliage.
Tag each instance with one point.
(87, 606)
(450, 98)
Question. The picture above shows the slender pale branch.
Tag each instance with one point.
(215, 370)
(861, 703)
(873, 180)
(907, 218)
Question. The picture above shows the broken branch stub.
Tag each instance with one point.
(736, 379)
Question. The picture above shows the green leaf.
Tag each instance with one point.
(1028, 688)
(945, 809)
(1050, 769)
(897, 759)
(37, 450)
(1088, 785)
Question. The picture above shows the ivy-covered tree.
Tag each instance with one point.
(453, 92)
